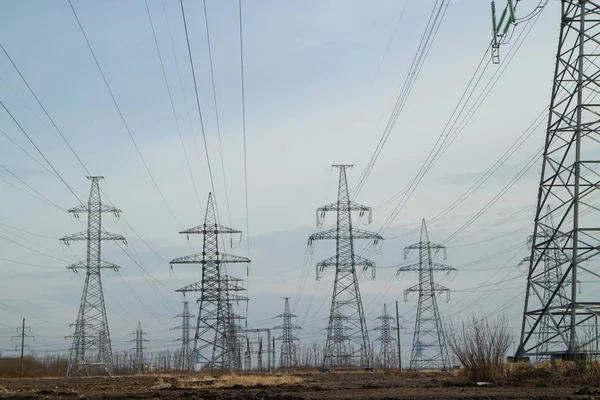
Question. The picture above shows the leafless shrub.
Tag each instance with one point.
(481, 346)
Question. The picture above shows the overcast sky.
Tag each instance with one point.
(321, 78)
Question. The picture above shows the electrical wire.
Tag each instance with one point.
(435, 20)
(168, 87)
(116, 104)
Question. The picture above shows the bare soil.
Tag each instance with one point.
(335, 385)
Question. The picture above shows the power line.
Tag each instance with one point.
(244, 126)
(214, 91)
(114, 100)
(164, 74)
(435, 20)
(38, 149)
(187, 38)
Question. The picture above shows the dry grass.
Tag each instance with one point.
(254, 380)
(206, 380)
(555, 370)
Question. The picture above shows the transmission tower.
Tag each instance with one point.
(346, 299)
(91, 347)
(185, 354)
(569, 179)
(387, 341)
(429, 342)
(287, 356)
(213, 345)
(138, 363)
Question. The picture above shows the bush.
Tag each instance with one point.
(481, 346)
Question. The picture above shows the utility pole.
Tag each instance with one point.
(346, 304)
(568, 180)
(213, 345)
(398, 339)
(91, 347)
(429, 343)
(139, 348)
(287, 355)
(386, 340)
(22, 346)
(185, 355)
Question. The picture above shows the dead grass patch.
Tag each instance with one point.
(206, 380)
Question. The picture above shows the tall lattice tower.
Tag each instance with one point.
(387, 341)
(287, 356)
(429, 348)
(138, 361)
(91, 349)
(346, 301)
(185, 353)
(570, 177)
(213, 345)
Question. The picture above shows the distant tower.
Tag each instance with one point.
(139, 348)
(387, 341)
(429, 343)
(287, 356)
(213, 345)
(346, 299)
(91, 349)
(185, 354)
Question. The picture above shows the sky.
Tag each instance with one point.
(320, 81)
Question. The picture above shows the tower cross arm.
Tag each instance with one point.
(84, 236)
(441, 267)
(333, 234)
(332, 262)
(207, 228)
(83, 265)
(86, 208)
(199, 258)
(349, 206)
(424, 245)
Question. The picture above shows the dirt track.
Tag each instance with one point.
(373, 385)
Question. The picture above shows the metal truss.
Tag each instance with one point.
(429, 348)
(215, 342)
(387, 341)
(287, 356)
(558, 315)
(91, 349)
(347, 337)
(185, 353)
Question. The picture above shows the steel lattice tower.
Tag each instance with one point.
(213, 345)
(346, 299)
(429, 348)
(287, 356)
(185, 355)
(138, 362)
(387, 347)
(568, 181)
(91, 348)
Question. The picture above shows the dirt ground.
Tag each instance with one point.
(335, 385)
